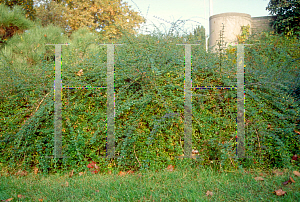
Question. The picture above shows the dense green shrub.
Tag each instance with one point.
(149, 86)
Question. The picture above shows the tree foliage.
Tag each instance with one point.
(110, 17)
(27, 5)
(288, 16)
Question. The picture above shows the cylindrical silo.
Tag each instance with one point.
(232, 27)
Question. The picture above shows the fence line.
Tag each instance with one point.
(110, 147)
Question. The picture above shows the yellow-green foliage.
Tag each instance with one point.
(149, 84)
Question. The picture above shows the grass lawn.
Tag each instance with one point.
(184, 184)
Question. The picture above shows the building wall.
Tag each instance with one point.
(232, 27)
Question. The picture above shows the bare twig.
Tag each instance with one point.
(258, 140)
(136, 156)
(36, 108)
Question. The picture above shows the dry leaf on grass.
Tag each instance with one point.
(21, 173)
(21, 196)
(259, 179)
(121, 173)
(209, 193)
(296, 173)
(66, 184)
(277, 172)
(195, 151)
(279, 192)
(10, 199)
(291, 180)
(286, 182)
(36, 170)
(71, 173)
(170, 168)
(81, 173)
(80, 73)
(130, 172)
(40, 200)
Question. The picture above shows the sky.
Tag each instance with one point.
(196, 12)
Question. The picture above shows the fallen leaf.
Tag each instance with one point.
(277, 172)
(209, 193)
(259, 178)
(36, 170)
(94, 171)
(21, 173)
(96, 166)
(121, 173)
(71, 173)
(261, 174)
(195, 151)
(297, 132)
(296, 173)
(80, 73)
(170, 168)
(292, 180)
(279, 192)
(286, 182)
(21, 196)
(40, 199)
(9, 199)
(90, 165)
(81, 173)
(130, 172)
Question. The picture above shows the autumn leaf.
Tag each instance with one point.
(292, 180)
(21, 173)
(296, 173)
(279, 192)
(286, 182)
(209, 193)
(21, 196)
(259, 179)
(10, 199)
(295, 157)
(121, 173)
(277, 172)
(66, 184)
(80, 73)
(170, 168)
(36, 170)
(195, 151)
(130, 172)
(40, 200)
(81, 173)
(96, 167)
(71, 173)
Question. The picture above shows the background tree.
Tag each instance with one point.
(12, 22)
(27, 6)
(51, 12)
(288, 16)
(111, 17)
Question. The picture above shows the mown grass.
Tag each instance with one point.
(182, 184)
